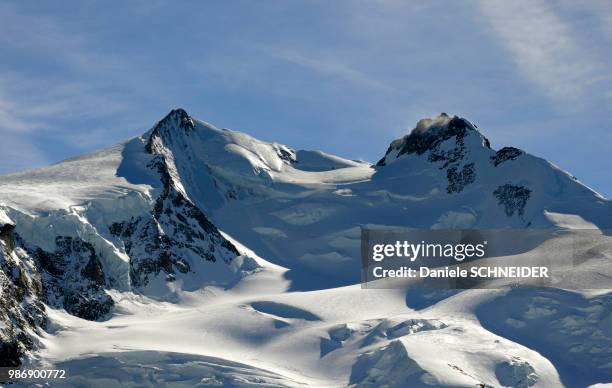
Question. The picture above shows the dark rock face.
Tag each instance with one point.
(11, 352)
(21, 300)
(7, 236)
(457, 180)
(512, 198)
(93, 306)
(93, 270)
(74, 278)
(287, 155)
(71, 277)
(505, 154)
(418, 142)
(154, 243)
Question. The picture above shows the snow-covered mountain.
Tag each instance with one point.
(206, 253)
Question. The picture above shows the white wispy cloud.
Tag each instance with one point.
(47, 100)
(543, 47)
(11, 121)
(18, 152)
(328, 66)
(31, 103)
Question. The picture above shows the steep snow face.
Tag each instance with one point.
(87, 179)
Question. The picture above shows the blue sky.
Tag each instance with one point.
(346, 77)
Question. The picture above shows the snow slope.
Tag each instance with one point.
(197, 255)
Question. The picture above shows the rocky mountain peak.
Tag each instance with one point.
(429, 134)
(178, 118)
(177, 121)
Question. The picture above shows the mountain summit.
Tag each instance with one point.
(449, 154)
(429, 134)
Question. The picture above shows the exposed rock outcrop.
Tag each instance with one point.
(505, 154)
(512, 198)
(22, 312)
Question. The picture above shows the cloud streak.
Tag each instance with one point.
(544, 47)
(18, 151)
(329, 67)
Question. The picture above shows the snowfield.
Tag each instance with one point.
(198, 256)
